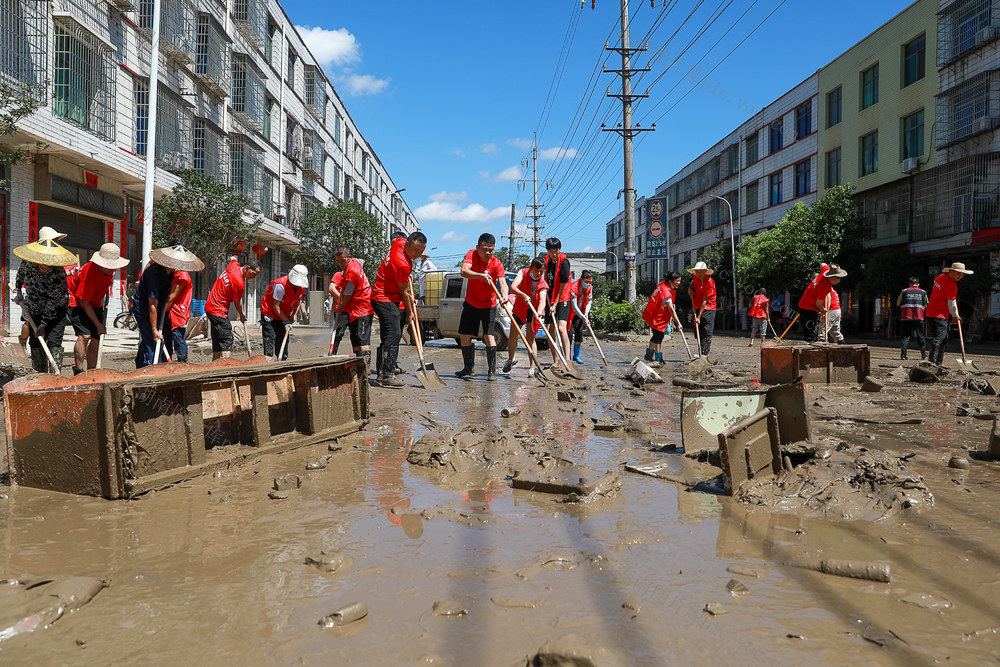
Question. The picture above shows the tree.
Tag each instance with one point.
(341, 223)
(521, 260)
(16, 102)
(204, 214)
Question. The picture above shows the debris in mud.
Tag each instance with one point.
(514, 603)
(568, 483)
(12, 371)
(334, 447)
(449, 608)
(899, 374)
(716, 609)
(506, 413)
(927, 601)
(606, 425)
(994, 450)
(572, 651)
(743, 571)
(329, 563)
(639, 373)
(873, 570)
(959, 462)
(482, 448)
(737, 589)
(927, 372)
(872, 385)
(319, 464)
(277, 495)
(570, 397)
(987, 387)
(37, 603)
(345, 615)
(287, 482)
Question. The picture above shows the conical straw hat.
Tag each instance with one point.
(177, 257)
(109, 257)
(46, 252)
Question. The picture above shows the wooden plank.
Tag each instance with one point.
(195, 425)
(261, 414)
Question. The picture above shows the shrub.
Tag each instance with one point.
(616, 317)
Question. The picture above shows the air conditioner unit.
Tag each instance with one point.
(987, 34)
(295, 154)
(981, 124)
(910, 165)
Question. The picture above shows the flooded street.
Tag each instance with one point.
(215, 570)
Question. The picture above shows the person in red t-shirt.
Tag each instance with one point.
(943, 302)
(660, 311)
(179, 312)
(816, 300)
(390, 295)
(702, 294)
(228, 289)
(528, 287)
(760, 315)
(356, 301)
(277, 308)
(580, 293)
(558, 275)
(90, 288)
(480, 268)
(337, 323)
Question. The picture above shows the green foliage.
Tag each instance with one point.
(341, 223)
(521, 260)
(16, 102)
(611, 289)
(785, 256)
(616, 317)
(204, 214)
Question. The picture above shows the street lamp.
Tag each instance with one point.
(613, 254)
(732, 241)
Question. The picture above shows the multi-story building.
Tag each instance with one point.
(240, 97)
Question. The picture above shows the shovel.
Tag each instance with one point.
(246, 337)
(41, 341)
(961, 341)
(691, 357)
(284, 342)
(790, 325)
(520, 334)
(571, 369)
(425, 372)
(697, 332)
(100, 351)
(605, 359)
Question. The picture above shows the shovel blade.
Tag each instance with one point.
(429, 377)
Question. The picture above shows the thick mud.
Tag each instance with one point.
(442, 534)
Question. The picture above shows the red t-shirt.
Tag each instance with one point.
(582, 296)
(180, 311)
(479, 294)
(90, 285)
(656, 313)
(704, 290)
(759, 306)
(834, 299)
(816, 290)
(72, 277)
(394, 270)
(533, 289)
(228, 288)
(945, 290)
(361, 299)
(338, 282)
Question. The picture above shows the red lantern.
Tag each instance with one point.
(241, 245)
(259, 249)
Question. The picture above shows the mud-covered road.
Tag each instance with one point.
(457, 567)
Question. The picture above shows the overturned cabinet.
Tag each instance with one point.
(119, 435)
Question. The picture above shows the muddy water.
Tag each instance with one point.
(214, 570)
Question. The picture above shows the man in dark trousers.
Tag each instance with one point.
(942, 303)
(703, 300)
(390, 296)
(481, 267)
(559, 277)
(912, 301)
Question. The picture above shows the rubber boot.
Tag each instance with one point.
(923, 353)
(181, 359)
(367, 356)
(38, 361)
(388, 377)
(659, 357)
(469, 359)
(491, 363)
(378, 362)
(902, 353)
(77, 371)
(57, 356)
(649, 354)
(576, 354)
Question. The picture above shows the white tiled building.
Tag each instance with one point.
(240, 97)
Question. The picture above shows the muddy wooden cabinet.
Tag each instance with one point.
(118, 435)
(824, 364)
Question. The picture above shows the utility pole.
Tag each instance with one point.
(151, 131)
(627, 132)
(535, 217)
(510, 252)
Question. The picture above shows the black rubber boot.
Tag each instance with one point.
(367, 356)
(491, 363)
(902, 353)
(378, 361)
(388, 378)
(180, 359)
(923, 353)
(469, 359)
(77, 371)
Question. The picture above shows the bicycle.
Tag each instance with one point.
(125, 319)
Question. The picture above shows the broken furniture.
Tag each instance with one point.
(825, 364)
(118, 435)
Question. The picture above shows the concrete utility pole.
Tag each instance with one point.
(510, 255)
(627, 132)
(154, 74)
(535, 217)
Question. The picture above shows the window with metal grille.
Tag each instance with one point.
(272, 29)
(248, 91)
(964, 26)
(868, 164)
(913, 60)
(290, 74)
(833, 168)
(173, 126)
(968, 109)
(869, 86)
(83, 79)
(776, 139)
(335, 182)
(178, 27)
(753, 148)
(214, 57)
(701, 218)
(210, 150)
(774, 186)
(250, 18)
(23, 39)
(752, 197)
(267, 194)
(834, 102)
(913, 134)
(245, 167)
(315, 92)
(337, 129)
(803, 178)
(803, 121)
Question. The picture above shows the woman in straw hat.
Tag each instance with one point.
(703, 300)
(88, 312)
(149, 305)
(277, 308)
(943, 302)
(46, 294)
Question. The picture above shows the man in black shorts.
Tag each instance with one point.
(480, 267)
(558, 276)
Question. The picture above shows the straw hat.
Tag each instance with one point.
(109, 257)
(836, 272)
(299, 276)
(957, 267)
(701, 266)
(48, 234)
(177, 257)
(47, 252)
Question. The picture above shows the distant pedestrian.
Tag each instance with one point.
(760, 315)
(660, 311)
(942, 303)
(703, 301)
(580, 298)
(390, 295)
(528, 286)
(88, 313)
(481, 267)
(426, 266)
(912, 302)
(277, 310)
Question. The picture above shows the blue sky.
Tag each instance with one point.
(450, 93)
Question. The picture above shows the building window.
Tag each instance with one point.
(869, 86)
(967, 109)
(868, 163)
(290, 75)
(687, 224)
(913, 135)
(272, 29)
(210, 150)
(834, 102)
(337, 129)
(245, 167)
(752, 198)
(913, 60)
(24, 35)
(250, 17)
(83, 80)
(833, 168)
(248, 91)
(315, 92)
(269, 108)
(753, 148)
(212, 66)
(267, 195)
(803, 178)
(173, 126)
(701, 219)
(963, 26)
(803, 121)
(775, 138)
(774, 186)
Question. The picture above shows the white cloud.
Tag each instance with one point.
(365, 84)
(449, 211)
(489, 148)
(594, 248)
(444, 195)
(483, 174)
(523, 144)
(457, 151)
(453, 237)
(508, 174)
(556, 152)
(331, 47)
